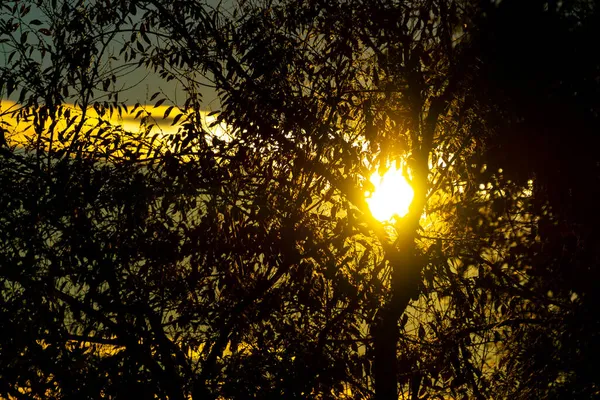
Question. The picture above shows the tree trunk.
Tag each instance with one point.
(405, 286)
(406, 267)
(385, 341)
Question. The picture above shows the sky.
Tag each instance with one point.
(19, 131)
(141, 83)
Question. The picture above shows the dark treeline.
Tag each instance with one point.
(247, 264)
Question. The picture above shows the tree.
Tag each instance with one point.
(548, 115)
(248, 264)
(325, 78)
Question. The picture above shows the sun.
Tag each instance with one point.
(392, 195)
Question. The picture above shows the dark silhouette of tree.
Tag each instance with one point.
(545, 124)
(246, 264)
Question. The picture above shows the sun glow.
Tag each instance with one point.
(392, 195)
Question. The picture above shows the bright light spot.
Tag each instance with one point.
(528, 191)
(392, 195)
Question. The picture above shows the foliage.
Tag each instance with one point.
(548, 108)
(246, 264)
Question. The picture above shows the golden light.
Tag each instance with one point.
(22, 132)
(392, 195)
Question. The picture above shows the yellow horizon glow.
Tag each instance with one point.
(21, 132)
(392, 195)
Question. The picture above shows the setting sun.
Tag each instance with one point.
(392, 195)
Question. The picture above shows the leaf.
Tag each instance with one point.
(167, 112)
(10, 86)
(421, 332)
(145, 36)
(176, 119)
(36, 22)
(22, 94)
(159, 102)
(334, 211)
(403, 321)
(25, 10)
